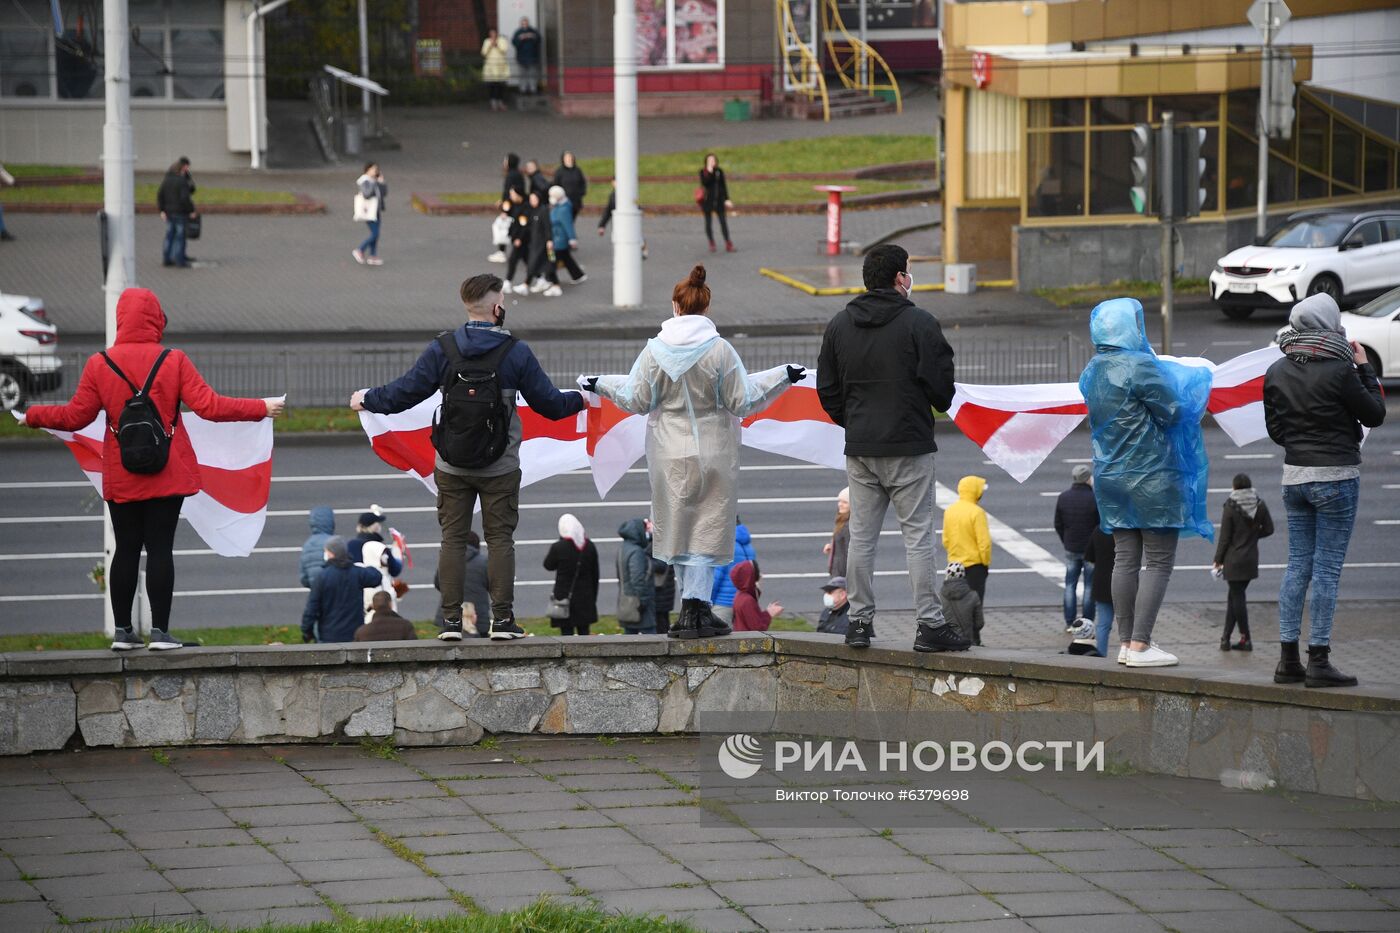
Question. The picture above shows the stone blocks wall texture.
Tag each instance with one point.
(1176, 723)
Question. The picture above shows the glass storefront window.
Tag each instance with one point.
(1187, 107)
(1210, 178)
(1055, 174)
(147, 62)
(1282, 177)
(1068, 111)
(1312, 136)
(196, 57)
(1110, 172)
(1107, 111)
(1242, 109)
(24, 63)
(1311, 187)
(1241, 171)
(1377, 166)
(1346, 154)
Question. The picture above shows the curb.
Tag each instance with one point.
(304, 204)
(433, 205)
(55, 181)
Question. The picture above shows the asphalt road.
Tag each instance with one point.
(51, 532)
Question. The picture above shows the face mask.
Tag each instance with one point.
(325, 557)
(828, 601)
(499, 315)
(909, 289)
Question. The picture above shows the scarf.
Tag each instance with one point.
(1246, 499)
(1315, 345)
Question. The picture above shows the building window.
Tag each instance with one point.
(679, 34)
(197, 58)
(1055, 177)
(24, 63)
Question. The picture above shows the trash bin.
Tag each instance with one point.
(354, 138)
(736, 110)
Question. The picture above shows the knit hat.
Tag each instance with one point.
(955, 571)
(1081, 473)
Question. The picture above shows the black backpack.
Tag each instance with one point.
(140, 432)
(472, 427)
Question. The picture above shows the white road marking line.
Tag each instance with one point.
(1032, 555)
(1233, 343)
(1249, 456)
(1391, 486)
(1037, 531)
(1387, 521)
(1073, 460)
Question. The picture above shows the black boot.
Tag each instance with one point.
(1321, 673)
(709, 624)
(685, 624)
(1290, 670)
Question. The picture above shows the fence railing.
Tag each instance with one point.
(315, 377)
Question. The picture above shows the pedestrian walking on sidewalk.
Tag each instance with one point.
(840, 542)
(1317, 400)
(570, 177)
(370, 195)
(1245, 520)
(884, 368)
(537, 247)
(561, 223)
(495, 67)
(175, 201)
(145, 507)
(966, 536)
(479, 368)
(1076, 517)
(1150, 466)
(573, 603)
(693, 388)
(714, 201)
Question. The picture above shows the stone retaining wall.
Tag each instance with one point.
(1180, 722)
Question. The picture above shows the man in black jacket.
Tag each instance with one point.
(175, 200)
(884, 367)
(1076, 517)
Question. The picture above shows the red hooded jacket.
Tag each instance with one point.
(140, 324)
(748, 617)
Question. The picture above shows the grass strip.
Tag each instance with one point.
(779, 191)
(39, 170)
(1071, 296)
(808, 154)
(145, 194)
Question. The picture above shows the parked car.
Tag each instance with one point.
(1350, 255)
(29, 363)
(1376, 326)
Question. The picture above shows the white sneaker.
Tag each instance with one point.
(1152, 657)
(521, 289)
(497, 256)
(359, 256)
(1122, 654)
(538, 286)
(554, 291)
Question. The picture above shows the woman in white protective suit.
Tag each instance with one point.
(693, 388)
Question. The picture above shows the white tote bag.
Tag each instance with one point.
(366, 208)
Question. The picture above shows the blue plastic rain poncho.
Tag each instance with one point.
(1150, 461)
(693, 388)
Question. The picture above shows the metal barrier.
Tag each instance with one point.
(316, 377)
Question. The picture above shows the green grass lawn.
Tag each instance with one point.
(540, 917)
(1078, 295)
(46, 171)
(782, 191)
(290, 634)
(145, 194)
(819, 154)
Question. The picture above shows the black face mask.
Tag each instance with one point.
(499, 315)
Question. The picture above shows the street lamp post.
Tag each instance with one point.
(627, 217)
(1261, 220)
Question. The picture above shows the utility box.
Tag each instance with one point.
(737, 110)
(960, 278)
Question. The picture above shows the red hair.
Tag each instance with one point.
(692, 295)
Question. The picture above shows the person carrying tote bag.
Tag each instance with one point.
(573, 603)
(369, 209)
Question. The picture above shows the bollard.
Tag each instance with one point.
(833, 215)
(960, 278)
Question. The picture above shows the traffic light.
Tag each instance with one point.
(1190, 193)
(1140, 193)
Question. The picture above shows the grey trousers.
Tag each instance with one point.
(1137, 597)
(907, 483)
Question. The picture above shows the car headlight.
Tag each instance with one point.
(1219, 267)
(1289, 270)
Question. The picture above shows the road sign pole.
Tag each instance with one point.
(1165, 182)
(1266, 24)
(627, 217)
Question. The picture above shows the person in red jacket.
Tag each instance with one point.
(145, 508)
(747, 616)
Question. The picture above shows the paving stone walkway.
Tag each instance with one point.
(290, 834)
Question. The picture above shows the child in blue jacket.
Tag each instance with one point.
(561, 219)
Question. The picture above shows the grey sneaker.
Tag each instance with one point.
(505, 629)
(126, 640)
(161, 641)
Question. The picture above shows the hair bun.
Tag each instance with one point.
(697, 276)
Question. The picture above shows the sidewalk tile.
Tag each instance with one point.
(925, 910)
(356, 869)
(312, 832)
(458, 865)
(119, 882)
(1064, 904)
(461, 843)
(147, 822)
(1114, 923)
(584, 856)
(723, 920)
(1139, 859)
(1003, 882)
(100, 841)
(16, 890)
(782, 891)
(660, 900)
(991, 863)
(84, 864)
(299, 814)
(848, 916)
(1230, 921)
(231, 876)
(335, 849)
(750, 869)
(658, 874)
(1354, 922)
(552, 819)
(188, 838)
(931, 883)
(383, 889)
(209, 857)
(1158, 901)
(267, 796)
(1293, 876)
(1340, 899)
(117, 906)
(557, 838)
(485, 787)
(537, 881)
(1207, 857)
(29, 917)
(281, 895)
(1180, 879)
(291, 916)
(866, 864)
(1326, 856)
(688, 852)
(423, 910)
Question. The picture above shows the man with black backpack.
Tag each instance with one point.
(479, 368)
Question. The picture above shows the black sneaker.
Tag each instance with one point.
(126, 640)
(940, 638)
(709, 624)
(506, 629)
(451, 631)
(161, 641)
(858, 634)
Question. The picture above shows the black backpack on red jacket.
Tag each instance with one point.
(140, 430)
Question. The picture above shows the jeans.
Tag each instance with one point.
(370, 247)
(1136, 606)
(500, 513)
(1320, 518)
(646, 619)
(148, 524)
(695, 581)
(1237, 610)
(173, 253)
(907, 483)
(1075, 565)
(1103, 624)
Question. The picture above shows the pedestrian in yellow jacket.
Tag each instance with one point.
(965, 535)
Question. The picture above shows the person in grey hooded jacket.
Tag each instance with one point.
(962, 607)
(322, 522)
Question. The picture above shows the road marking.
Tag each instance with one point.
(1033, 556)
(1073, 460)
(1037, 531)
(1391, 486)
(1233, 343)
(1387, 521)
(1249, 456)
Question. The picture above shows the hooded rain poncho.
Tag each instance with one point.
(1150, 464)
(693, 388)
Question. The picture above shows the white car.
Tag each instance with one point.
(1376, 326)
(1347, 254)
(29, 363)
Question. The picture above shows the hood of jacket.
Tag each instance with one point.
(970, 488)
(1117, 324)
(572, 529)
(956, 587)
(478, 341)
(335, 546)
(741, 534)
(140, 318)
(1246, 499)
(682, 341)
(1317, 312)
(744, 578)
(322, 520)
(878, 307)
(633, 531)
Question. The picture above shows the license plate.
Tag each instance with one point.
(1243, 288)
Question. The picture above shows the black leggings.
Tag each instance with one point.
(518, 258)
(566, 629)
(1237, 610)
(723, 223)
(497, 89)
(566, 258)
(151, 524)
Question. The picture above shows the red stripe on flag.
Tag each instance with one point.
(796, 404)
(533, 425)
(87, 452)
(979, 422)
(1224, 398)
(601, 420)
(244, 490)
(411, 451)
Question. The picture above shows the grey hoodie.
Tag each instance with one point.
(962, 607)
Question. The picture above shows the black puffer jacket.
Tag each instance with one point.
(1237, 545)
(884, 366)
(1076, 517)
(1315, 409)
